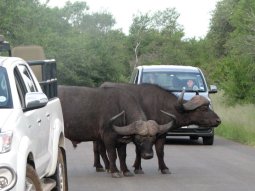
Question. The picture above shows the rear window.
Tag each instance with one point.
(5, 93)
(175, 81)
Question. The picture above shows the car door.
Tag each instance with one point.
(37, 123)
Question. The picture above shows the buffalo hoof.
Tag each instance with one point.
(116, 175)
(138, 171)
(165, 171)
(128, 174)
(100, 170)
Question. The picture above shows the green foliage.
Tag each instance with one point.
(236, 133)
(221, 27)
(243, 37)
(94, 60)
(232, 37)
(159, 38)
(89, 51)
(240, 84)
(237, 121)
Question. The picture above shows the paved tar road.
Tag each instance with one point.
(225, 166)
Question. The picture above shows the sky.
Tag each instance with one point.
(195, 15)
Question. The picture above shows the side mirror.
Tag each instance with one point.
(34, 100)
(213, 89)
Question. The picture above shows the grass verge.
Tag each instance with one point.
(238, 122)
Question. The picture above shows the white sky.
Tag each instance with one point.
(195, 15)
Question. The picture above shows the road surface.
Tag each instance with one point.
(225, 166)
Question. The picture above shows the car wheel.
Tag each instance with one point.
(32, 180)
(208, 140)
(60, 175)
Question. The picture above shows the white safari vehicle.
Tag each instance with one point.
(175, 78)
(32, 153)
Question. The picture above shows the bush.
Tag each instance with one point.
(237, 121)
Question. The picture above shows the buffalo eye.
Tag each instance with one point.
(204, 108)
(138, 139)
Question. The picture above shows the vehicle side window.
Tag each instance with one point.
(4, 96)
(21, 89)
(5, 92)
(149, 77)
(28, 80)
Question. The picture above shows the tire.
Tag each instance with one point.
(32, 180)
(208, 140)
(60, 175)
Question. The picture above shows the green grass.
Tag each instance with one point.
(238, 122)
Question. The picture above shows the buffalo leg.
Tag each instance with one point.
(122, 153)
(99, 149)
(97, 164)
(111, 150)
(103, 154)
(137, 164)
(159, 146)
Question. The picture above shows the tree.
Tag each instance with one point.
(97, 53)
(156, 38)
(88, 51)
(231, 36)
(243, 37)
(221, 27)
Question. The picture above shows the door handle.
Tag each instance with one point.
(47, 115)
(39, 120)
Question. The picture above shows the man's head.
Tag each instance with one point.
(190, 83)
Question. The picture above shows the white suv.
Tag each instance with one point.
(175, 78)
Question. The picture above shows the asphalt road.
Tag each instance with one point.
(225, 166)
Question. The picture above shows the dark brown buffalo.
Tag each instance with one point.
(110, 116)
(153, 99)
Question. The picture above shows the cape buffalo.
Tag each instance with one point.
(153, 99)
(110, 116)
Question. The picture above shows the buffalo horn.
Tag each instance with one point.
(180, 99)
(164, 128)
(195, 102)
(125, 130)
(137, 127)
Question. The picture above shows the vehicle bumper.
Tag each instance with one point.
(192, 131)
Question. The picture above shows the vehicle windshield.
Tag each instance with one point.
(176, 81)
(5, 93)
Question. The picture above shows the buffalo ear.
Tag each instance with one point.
(180, 108)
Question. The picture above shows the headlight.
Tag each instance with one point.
(8, 178)
(5, 141)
